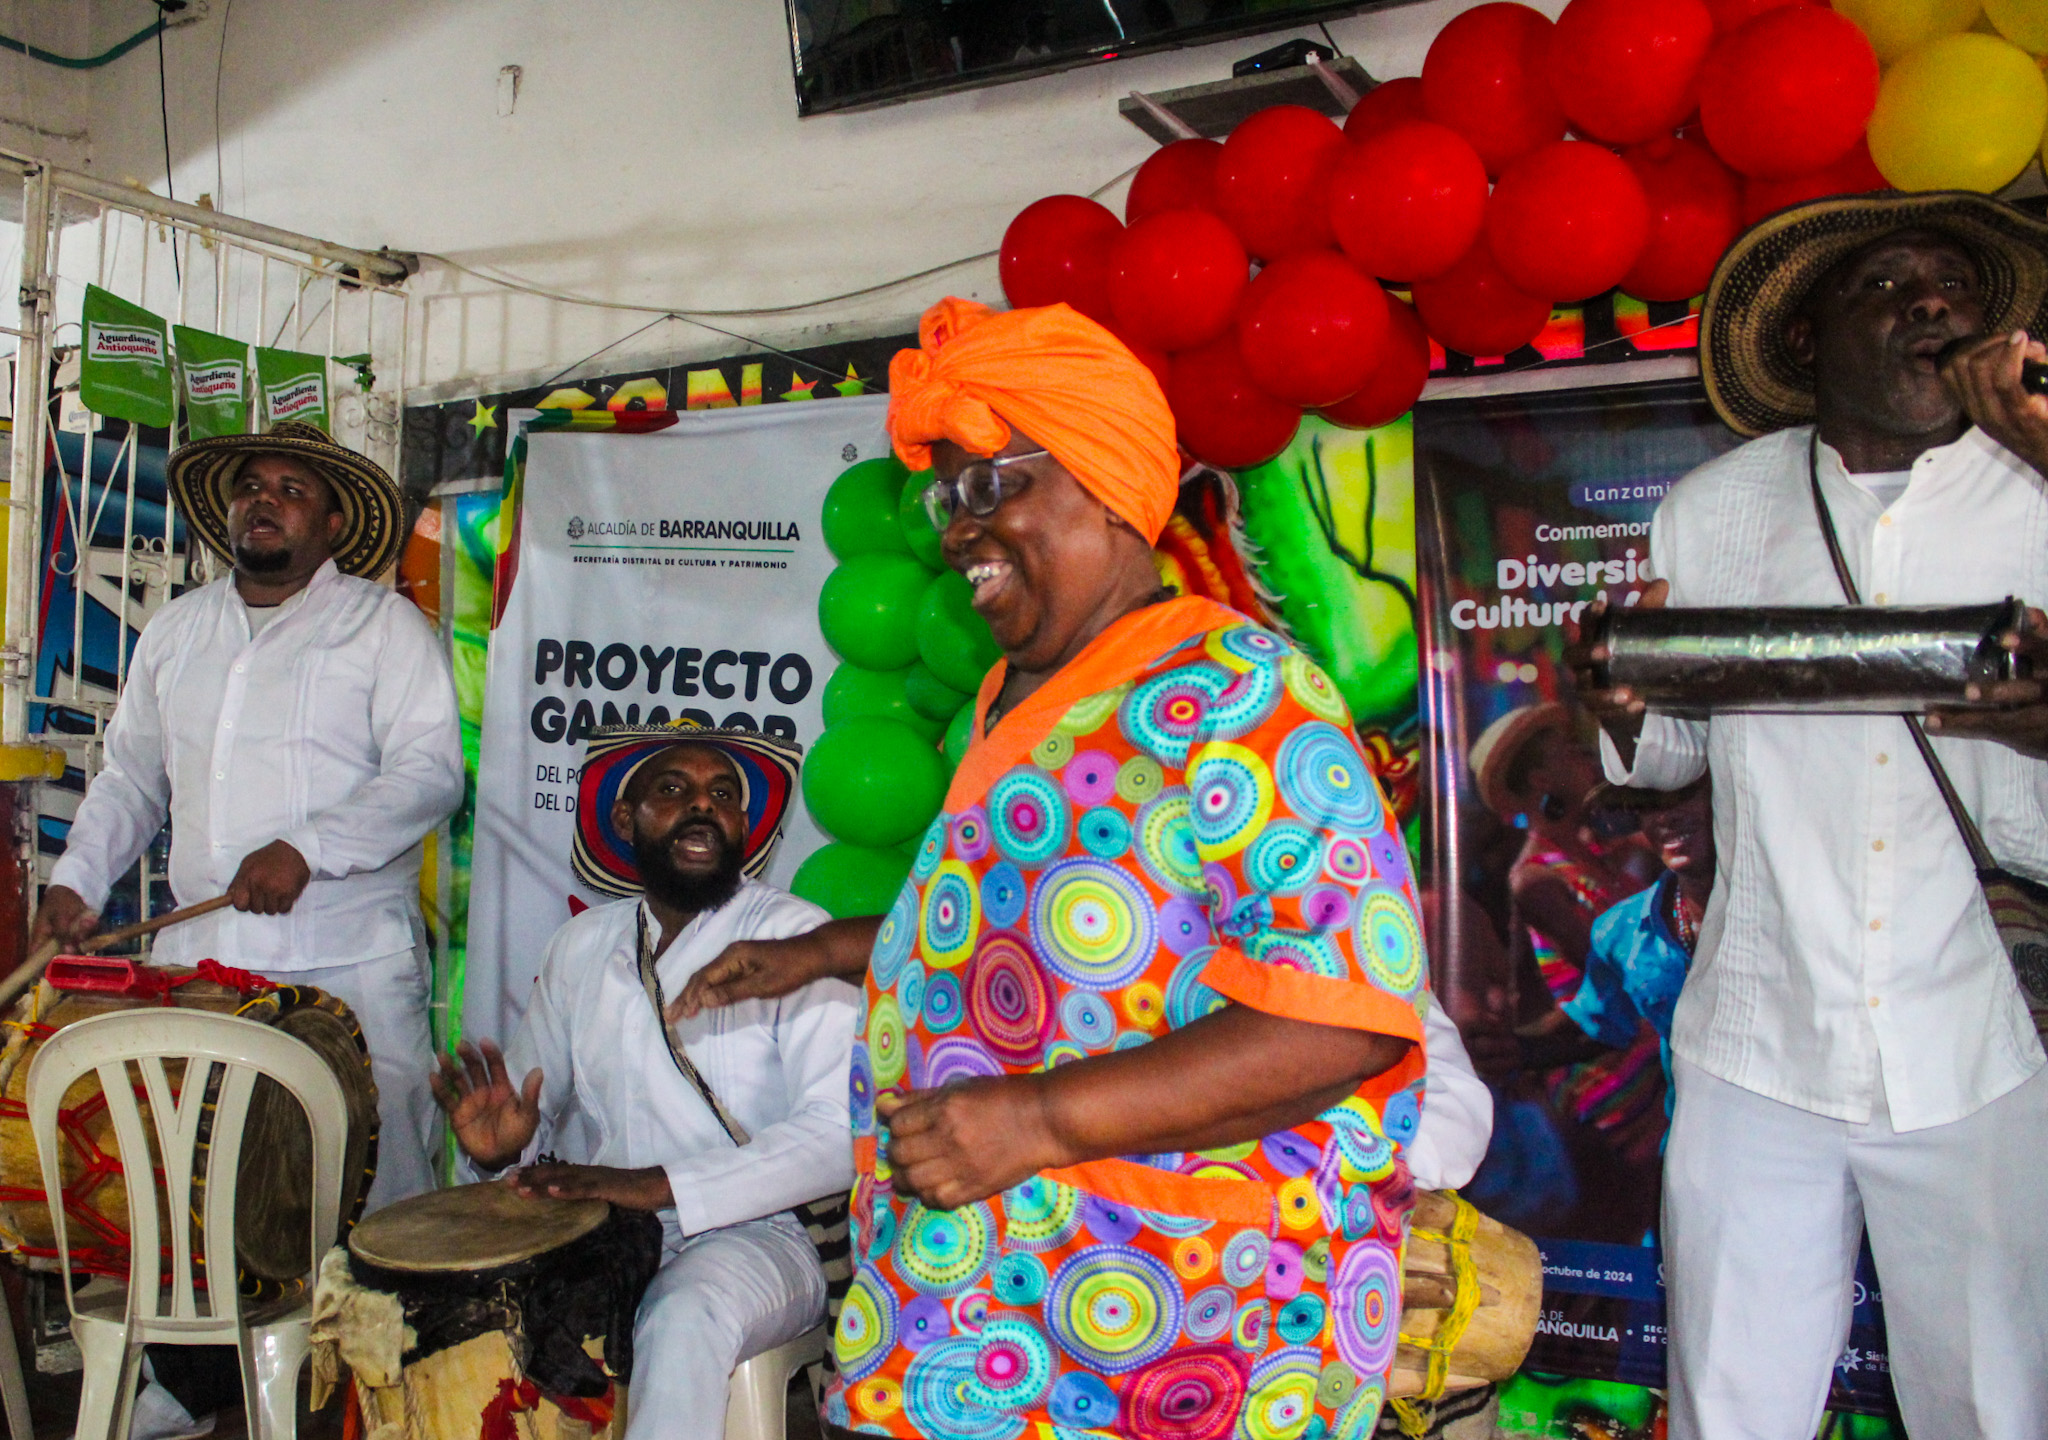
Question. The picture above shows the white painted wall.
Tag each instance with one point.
(655, 158)
(42, 107)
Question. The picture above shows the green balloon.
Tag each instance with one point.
(959, 734)
(849, 881)
(868, 610)
(952, 639)
(853, 692)
(860, 510)
(929, 695)
(915, 524)
(874, 782)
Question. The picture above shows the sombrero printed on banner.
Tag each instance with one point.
(1751, 378)
(603, 858)
(200, 473)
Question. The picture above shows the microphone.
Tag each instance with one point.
(2033, 373)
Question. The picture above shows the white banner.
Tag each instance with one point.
(663, 574)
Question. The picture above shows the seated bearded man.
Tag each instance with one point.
(686, 818)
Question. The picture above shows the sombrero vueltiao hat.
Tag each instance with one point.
(603, 858)
(200, 473)
(1753, 381)
(1493, 753)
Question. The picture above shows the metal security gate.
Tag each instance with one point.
(92, 554)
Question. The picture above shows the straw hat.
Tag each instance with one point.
(201, 473)
(1493, 754)
(1753, 381)
(603, 858)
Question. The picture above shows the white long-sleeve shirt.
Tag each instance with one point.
(1847, 938)
(611, 1093)
(1457, 1110)
(334, 728)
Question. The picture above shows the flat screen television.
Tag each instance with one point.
(854, 54)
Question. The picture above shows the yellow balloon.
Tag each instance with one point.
(1896, 26)
(1964, 112)
(2024, 22)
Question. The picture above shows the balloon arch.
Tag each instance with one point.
(1298, 266)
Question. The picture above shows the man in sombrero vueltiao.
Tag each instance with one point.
(1143, 1049)
(1852, 1052)
(677, 821)
(295, 723)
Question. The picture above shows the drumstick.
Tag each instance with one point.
(30, 969)
(149, 927)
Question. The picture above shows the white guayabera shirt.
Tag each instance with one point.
(1847, 938)
(612, 1094)
(333, 727)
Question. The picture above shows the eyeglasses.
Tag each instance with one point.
(980, 486)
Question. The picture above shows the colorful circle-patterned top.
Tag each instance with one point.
(1179, 819)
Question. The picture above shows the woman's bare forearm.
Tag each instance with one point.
(765, 969)
(846, 945)
(1233, 1076)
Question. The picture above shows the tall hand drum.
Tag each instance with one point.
(1471, 1290)
(273, 1204)
(461, 1311)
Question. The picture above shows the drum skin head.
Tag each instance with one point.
(471, 1227)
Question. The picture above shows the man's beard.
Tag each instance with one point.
(691, 894)
(261, 562)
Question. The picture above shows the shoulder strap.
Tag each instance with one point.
(651, 983)
(1973, 839)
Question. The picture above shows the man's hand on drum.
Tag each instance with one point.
(964, 1142)
(492, 1121)
(2022, 719)
(1619, 710)
(645, 1189)
(64, 917)
(270, 880)
(764, 969)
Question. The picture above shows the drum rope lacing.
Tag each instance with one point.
(73, 1122)
(1451, 1329)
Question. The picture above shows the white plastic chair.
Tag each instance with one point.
(111, 1335)
(757, 1397)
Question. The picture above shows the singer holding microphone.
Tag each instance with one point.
(1851, 1046)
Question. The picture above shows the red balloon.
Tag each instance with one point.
(1695, 211)
(1732, 15)
(1789, 92)
(1272, 180)
(1180, 177)
(1058, 249)
(1624, 70)
(1409, 200)
(1150, 356)
(1174, 278)
(1484, 77)
(1223, 418)
(1567, 221)
(1396, 383)
(1853, 174)
(1384, 106)
(1312, 328)
(1476, 310)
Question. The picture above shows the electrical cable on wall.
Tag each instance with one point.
(90, 62)
(164, 10)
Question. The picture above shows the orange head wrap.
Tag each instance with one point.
(1054, 374)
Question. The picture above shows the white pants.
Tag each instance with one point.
(1764, 1205)
(389, 997)
(724, 1297)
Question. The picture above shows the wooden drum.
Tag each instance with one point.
(475, 1311)
(1471, 1291)
(273, 1208)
